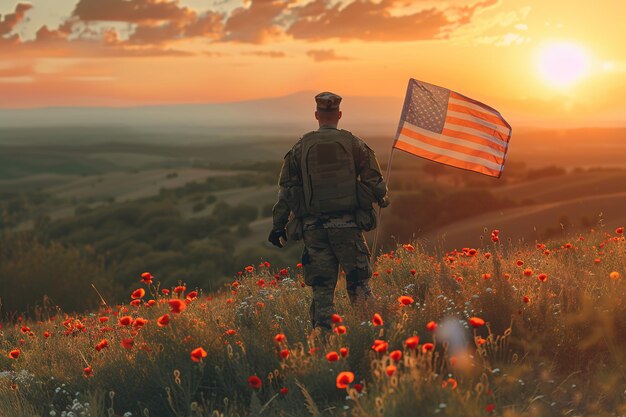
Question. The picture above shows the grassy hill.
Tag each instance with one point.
(551, 342)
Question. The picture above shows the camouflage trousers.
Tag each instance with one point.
(324, 251)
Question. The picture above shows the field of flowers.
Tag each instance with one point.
(504, 330)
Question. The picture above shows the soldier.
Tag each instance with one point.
(328, 184)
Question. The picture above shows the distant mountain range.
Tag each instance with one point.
(295, 110)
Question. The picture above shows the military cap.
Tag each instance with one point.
(327, 101)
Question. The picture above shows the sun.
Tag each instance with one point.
(562, 64)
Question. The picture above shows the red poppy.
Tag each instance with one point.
(490, 408)
(487, 255)
(14, 354)
(87, 372)
(128, 343)
(138, 293)
(412, 342)
(231, 332)
(391, 369)
(284, 353)
(377, 320)
(179, 289)
(526, 299)
(150, 303)
(396, 355)
(451, 382)
(147, 277)
(165, 291)
(405, 300)
(542, 277)
(520, 262)
(431, 326)
(336, 318)
(344, 379)
(428, 347)
(480, 341)
(139, 322)
(255, 382)
(135, 303)
(472, 252)
(284, 272)
(197, 354)
(614, 275)
(164, 320)
(486, 276)
(358, 387)
(340, 329)
(619, 230)
(408, 248)
(298, 265)
(380, 346)
(280, 337)
(125, 321)
(177, 306)
(249, 268)
(192, 295)
(343, 351)
(476, 322)
(528, 272)
(103, 319)
(46, 334)
(284, 390)
(102, 344)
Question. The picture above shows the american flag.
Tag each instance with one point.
(449, 128)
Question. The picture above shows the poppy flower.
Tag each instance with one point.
(450, 382)
(412, 342)
(344, 379)
(197, 354)
(249, 268)
(428, 347)
(177, 306)
(614, 275)
(46, 334)
(480, 341)
(147, 277)
(526, 299)
(396, 355)
(487, 255)
(520, 262)
(128, 343)
(336, 318)
(380, 346)
(298, 265)
(14, 354)
(284, 353)
(102, 344)
(255, 382)
(413, 271)
(431, 326)
(192, 295)
(139, 322)
(103, 319)
(138, 293)
(284, 390)
(377, 320)
(542, 277)
(343, 352)
(87, 372)
(150, 303)
(180, 289)
(476, 322)
(280, 337)
(135, 303)
(284, 272)
(125, 321)
(165, 291)
(164, 320)
(528, 272)
(619, 230)
(358, 387)
(486, 276)
(490, 408)
(405, 300)
(472, 252)
(340, 330)
(391, 369)
(332, 356)
(231, 332)
(409, 248)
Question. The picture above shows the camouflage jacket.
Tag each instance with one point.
(368, 171)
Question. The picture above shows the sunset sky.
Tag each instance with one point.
(537, 61)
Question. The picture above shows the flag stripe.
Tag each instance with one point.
(446, 147)
(500, 138)
(451, 142)
(443, 159)
(485, 107)
(473, 136)
(473, 107)
(477, 114)
(480, 121)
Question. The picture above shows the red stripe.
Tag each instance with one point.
(452, 147)
(470, 166)
(477, 114)
(467, 123)
(449, 131)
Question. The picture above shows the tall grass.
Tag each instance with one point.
(553, 343)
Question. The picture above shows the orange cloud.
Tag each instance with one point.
(257, 23)
(320, 55)
(9, 21)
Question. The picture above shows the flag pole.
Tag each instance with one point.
(380, 212)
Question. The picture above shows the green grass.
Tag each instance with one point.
(559, 354)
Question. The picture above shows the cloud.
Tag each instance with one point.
(9, 21)
(321, 55)
(257, 23)
(376, 21)
(133, 11)
(268, 54)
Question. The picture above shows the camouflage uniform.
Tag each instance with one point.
(333, 239)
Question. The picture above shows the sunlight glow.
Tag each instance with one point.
(562, 64)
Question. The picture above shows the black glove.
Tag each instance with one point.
(384, 202)
(275, 236)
